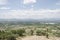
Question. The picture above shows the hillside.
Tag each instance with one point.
(38, 38)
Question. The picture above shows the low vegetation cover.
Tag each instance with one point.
(13, 31)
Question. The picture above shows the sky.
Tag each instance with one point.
(29, 9)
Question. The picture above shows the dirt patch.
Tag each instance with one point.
(39, 38)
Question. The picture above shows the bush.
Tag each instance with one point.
(21, 32)
(11, 38)
(32, 32)
(57, 34)
(14, 31)
(6, 35)
(40, 33)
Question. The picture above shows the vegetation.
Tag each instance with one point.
(13, 30)
(6, 36)
(20, 32)
(11, 37)
(41, 32)
(32, 31)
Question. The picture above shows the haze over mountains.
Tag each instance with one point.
(32, 20)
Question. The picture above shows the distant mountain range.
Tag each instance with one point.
(33, 20)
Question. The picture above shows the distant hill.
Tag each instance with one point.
(32, 20)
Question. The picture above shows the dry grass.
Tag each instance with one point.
(38, 38)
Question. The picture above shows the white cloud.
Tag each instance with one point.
(4, 8)
(3, 2)
(35, 14)
(29, 1)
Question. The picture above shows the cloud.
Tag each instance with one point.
(3, 2)
(4, 8)
(32, 14)
(29, 1)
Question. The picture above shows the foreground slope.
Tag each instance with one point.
(39, 38)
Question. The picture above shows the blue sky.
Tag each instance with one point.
(36, 9)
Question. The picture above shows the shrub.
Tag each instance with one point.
(57, 34)
(32, 32)
(5, 35)
(40, 32)
(14, 31)
(21, 32)
(11, 37)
